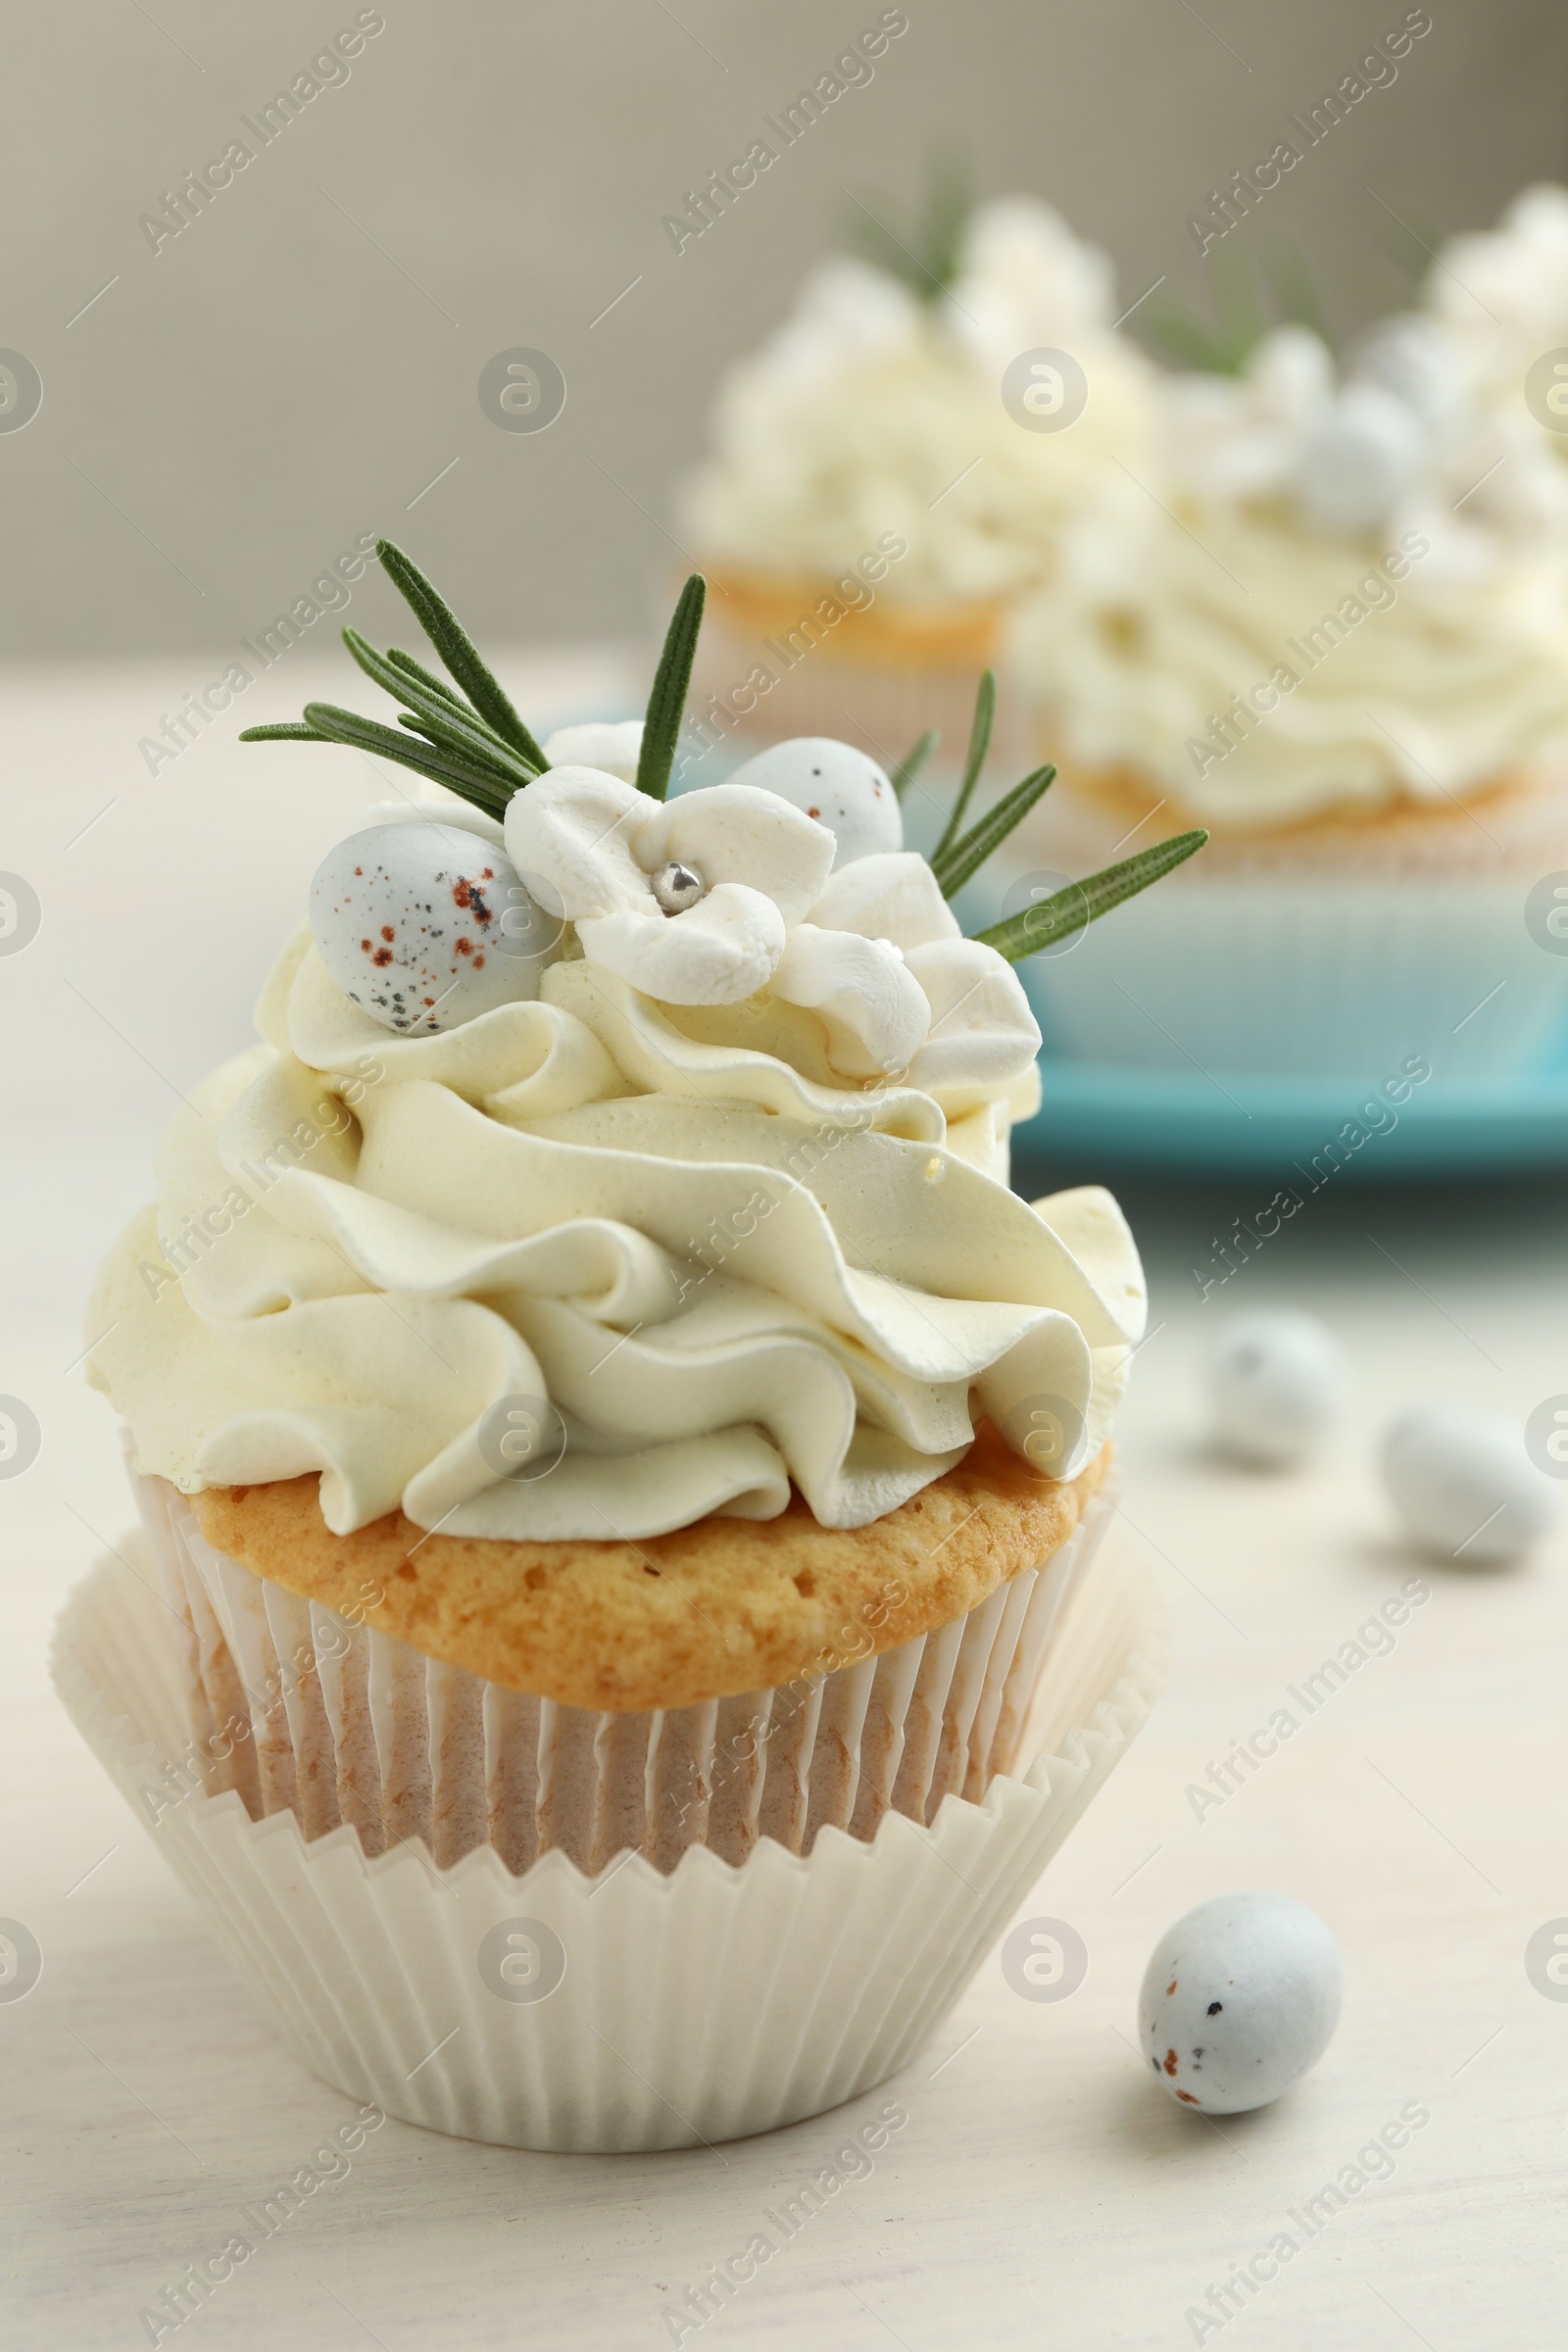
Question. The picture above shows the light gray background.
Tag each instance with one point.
(282, 377)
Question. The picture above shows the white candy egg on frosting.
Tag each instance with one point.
(842, 788)
(1241, 1998)
(425, 926)
(1359, 460)
(1276, 1379)
(611, 745)
(1463, 1484)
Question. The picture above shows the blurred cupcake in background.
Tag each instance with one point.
(1503, 296)
(1335, 633)
(898, 465)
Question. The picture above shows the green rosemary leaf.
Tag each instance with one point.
(462, 731)
(866, 234)
(333, 725)
(969, 855)
(666, 703)
(1241, 316)
(1238, 304)
(928, 256)
(458, 651)
(417, 726)
(910, 764)
(502, 787)
(985, 712)
(291, 731)
(1297, 300)
(428, 680)
(950, 201)
(1070, 910)
(1180, 335)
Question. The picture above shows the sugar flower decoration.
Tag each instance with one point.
(725, 893)
(785, 891)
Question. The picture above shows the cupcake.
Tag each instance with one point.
(1503, 296)
(622, 1467)
(898, 465)
(1339, 640)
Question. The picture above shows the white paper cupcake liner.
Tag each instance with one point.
(638, 2007)
(1301, 963)
(883, 706)
(298, 1710)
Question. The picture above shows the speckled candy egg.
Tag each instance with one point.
(1240, 1999)
(1276, 1379)
(427, 926)
(836, 784)
(1463, 1484)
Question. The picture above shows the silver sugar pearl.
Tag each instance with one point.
(677, 886)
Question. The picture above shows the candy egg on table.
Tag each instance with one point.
(425, 926)
(1276, 1379)
(1463, 1484)
(842, 788)
(1240, 1997)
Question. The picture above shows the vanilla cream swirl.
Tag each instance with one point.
(720, 1271)
(1344, 591)
(1362, 684)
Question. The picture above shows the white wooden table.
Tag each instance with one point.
(1043, 2192)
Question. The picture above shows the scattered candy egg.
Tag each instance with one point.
(427, 926)
(1240, 1999)
(1463, 1484)
(841, 787)
(1276, 1379)
(611, 745)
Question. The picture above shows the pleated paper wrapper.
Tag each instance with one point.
(524, 1922)
(881, 695)
(1305, 957)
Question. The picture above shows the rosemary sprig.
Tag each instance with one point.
(910, 764)
(1297, 300)
(1070, 910)
(423, 677)
(929, 255)
(1241, 317)
(479, 748)
(985, 712)
(969, 854)
(441, 717)
(666, 703)
(458, 651)
(328, 725)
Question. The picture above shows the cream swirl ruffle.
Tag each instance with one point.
(722, 1274)
(1416, 689)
